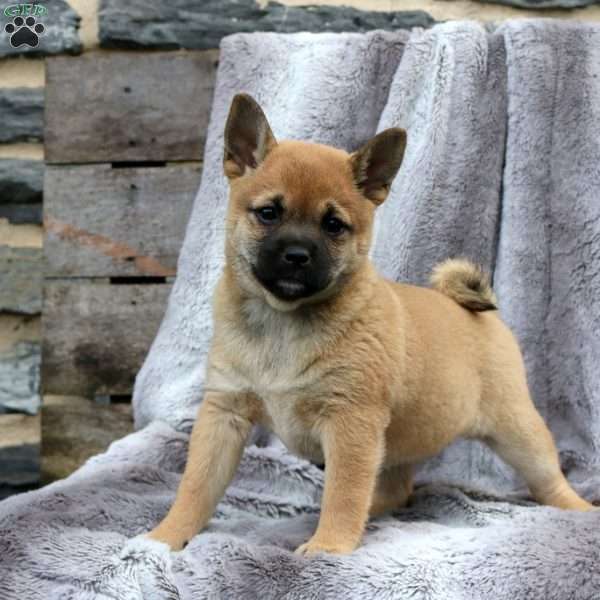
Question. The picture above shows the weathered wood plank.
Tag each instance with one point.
(105, 222)
(96, 335)
(75, 429)
(21, 280)
(124, 107)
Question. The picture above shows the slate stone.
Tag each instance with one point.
(19, 453)
(21, 181)
(21, 115)
(201, 24)
(20, 214)
(21, 184)
(533, 4)
(21, 280)
(19, 469)
(20, 378)
(61, 24)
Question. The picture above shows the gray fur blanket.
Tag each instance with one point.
(502, 166)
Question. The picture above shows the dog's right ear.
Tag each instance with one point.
(248, 137)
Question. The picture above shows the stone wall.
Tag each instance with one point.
(21, 239)
(100, 26)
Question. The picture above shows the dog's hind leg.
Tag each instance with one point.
(393, 489)
(521, 438)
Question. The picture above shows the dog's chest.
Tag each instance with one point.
(283, 415)
(278, 364)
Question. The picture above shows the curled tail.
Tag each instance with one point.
(464, 282)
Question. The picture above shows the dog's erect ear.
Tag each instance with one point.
(248, 137)
(375, 164)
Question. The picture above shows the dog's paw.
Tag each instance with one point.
(314, 546)
(160, 535)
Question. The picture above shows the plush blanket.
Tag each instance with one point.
(501, 166)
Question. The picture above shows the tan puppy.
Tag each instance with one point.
(348, 369)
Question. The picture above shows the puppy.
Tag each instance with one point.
(362, 374)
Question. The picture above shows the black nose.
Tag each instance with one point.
(296, 255)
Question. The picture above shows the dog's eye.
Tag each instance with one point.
(268, 215)
(333, 226)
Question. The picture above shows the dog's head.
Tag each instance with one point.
(300, 214)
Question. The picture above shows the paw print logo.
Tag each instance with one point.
(24, 32)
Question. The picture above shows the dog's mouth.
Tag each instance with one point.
(290, 289)
(287, 287)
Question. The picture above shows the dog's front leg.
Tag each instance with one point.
(353, 449)
(216, 446)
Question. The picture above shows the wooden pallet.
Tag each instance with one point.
(124, 137)
(128, 106)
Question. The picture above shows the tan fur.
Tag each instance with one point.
(369, 377)
(465, 283)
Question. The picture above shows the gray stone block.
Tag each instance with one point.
(19, 214)
(20, 378)
(21, 184)
(21, 115)
(61, 24)
(21, 181)
(21, 280)
(19, 469)
(338, 19)
(19, 453)
(201, 24)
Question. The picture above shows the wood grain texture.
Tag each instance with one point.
(96, 335)
(105, 222)
(21, 273)
(75, 429)
(128, 107)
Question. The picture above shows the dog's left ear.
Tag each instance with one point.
(375, 164)
(248, 137)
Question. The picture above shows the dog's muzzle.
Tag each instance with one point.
(292, 267)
